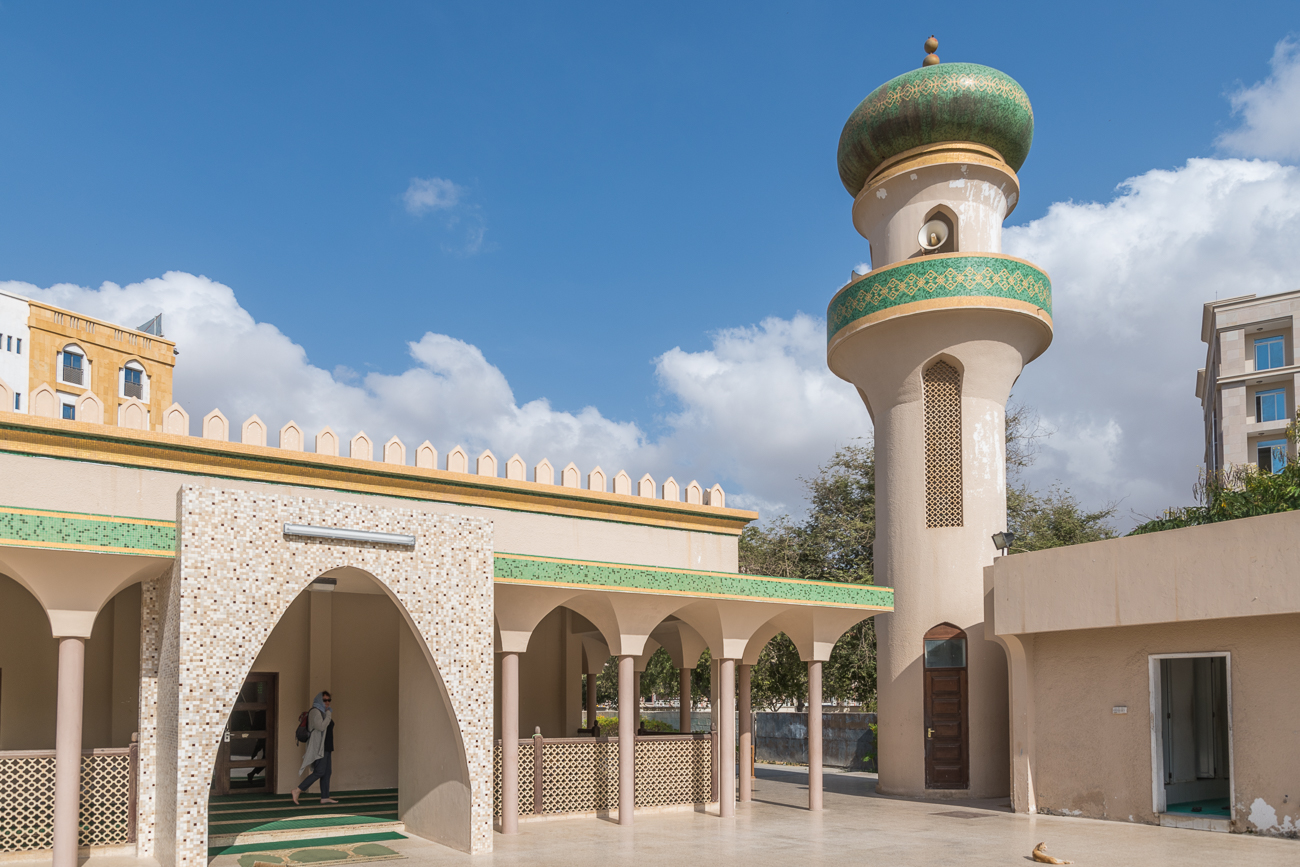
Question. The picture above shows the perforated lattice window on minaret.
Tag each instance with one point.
(942, 384)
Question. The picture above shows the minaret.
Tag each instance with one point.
(934, 337)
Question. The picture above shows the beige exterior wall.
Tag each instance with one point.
(1080, 625)
(550, 680)
(77, 486)
(1226, 385)
(29, 672)
(1094, 763)
(108, 348)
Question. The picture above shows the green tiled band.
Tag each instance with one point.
(933, 277)
(38, 528)
(518, 568)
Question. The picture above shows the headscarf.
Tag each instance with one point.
(319, 703)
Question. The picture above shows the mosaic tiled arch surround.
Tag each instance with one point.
(236, 574)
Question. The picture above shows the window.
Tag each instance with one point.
(69, 411)
(1271, 405)
(11, 343)
(1271, 456)
(133, 383)
(18, 401)
(19, 350)
(943, 482)
(1269, 353)
(945, 653)
(72, 369)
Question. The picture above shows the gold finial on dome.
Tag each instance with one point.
(931, 46)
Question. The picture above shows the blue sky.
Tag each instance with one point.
(600, 185)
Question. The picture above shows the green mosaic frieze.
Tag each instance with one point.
(950, 102)
(645, 579)
(39, 528)
(934, 277)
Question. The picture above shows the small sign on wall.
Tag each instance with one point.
(1119, 708)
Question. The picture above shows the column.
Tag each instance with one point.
(591, 698)
(814, 736)
(684, 690)
(746, 737)
(67, 750)
(727, 738)
(636, 701)
(509, 743)
(626, 740)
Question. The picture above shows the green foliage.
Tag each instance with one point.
(870, 758)
(659, 680)
(1237, 492)
(834, 543)
(1053, 520)
(609, 725)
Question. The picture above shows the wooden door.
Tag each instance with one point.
(246, 756)
(947, 736)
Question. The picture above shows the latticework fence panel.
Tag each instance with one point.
(27, 800)
(580, 777)
(525, 778)
(105, 799)
(673, 771)
(943, 471)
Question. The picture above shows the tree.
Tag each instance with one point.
(1238, 491)
(834, 543)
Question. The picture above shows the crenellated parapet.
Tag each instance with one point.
(219, 444)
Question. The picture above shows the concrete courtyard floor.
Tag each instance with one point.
(857, 827)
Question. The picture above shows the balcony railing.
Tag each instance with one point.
(133, 389)
(72, 375)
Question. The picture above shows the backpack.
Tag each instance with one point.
(303, 734)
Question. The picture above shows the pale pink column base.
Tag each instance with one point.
(510, 743)
(626, 739)
(746, 737)
(67, 751)
(814, 736)
(727, 738)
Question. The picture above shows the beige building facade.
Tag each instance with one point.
(1152, 677)
(1248, 387)
(59, 362)
(169, 604)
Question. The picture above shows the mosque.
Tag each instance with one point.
(175, 589)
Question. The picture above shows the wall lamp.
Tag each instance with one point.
(341, 535)
(1003, 541)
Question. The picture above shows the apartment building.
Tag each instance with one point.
(74, 354)
(1248, 386)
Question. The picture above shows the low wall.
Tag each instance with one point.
(846, 739)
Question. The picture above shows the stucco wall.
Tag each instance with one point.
(29, 657)
(77, 486)
(1094, 763)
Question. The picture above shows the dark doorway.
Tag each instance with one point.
(947, 739)
(246, 756)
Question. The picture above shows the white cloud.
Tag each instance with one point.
(758, 409)
(463, 219)
(432, 194)
(1129, 280)
(1269, 110)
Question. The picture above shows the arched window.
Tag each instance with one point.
(936, 239)
(941, 383)
(133, 381)
(72, 366)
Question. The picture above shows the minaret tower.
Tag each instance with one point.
(934, 337)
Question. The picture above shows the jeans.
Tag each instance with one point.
(320, 770)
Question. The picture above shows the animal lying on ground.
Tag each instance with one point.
(1041, 856)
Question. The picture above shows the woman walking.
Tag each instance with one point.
(320, 746)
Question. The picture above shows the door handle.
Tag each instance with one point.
(929, 733)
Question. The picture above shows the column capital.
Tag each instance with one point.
(66, 623)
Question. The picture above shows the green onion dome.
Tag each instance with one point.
(940, 103)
